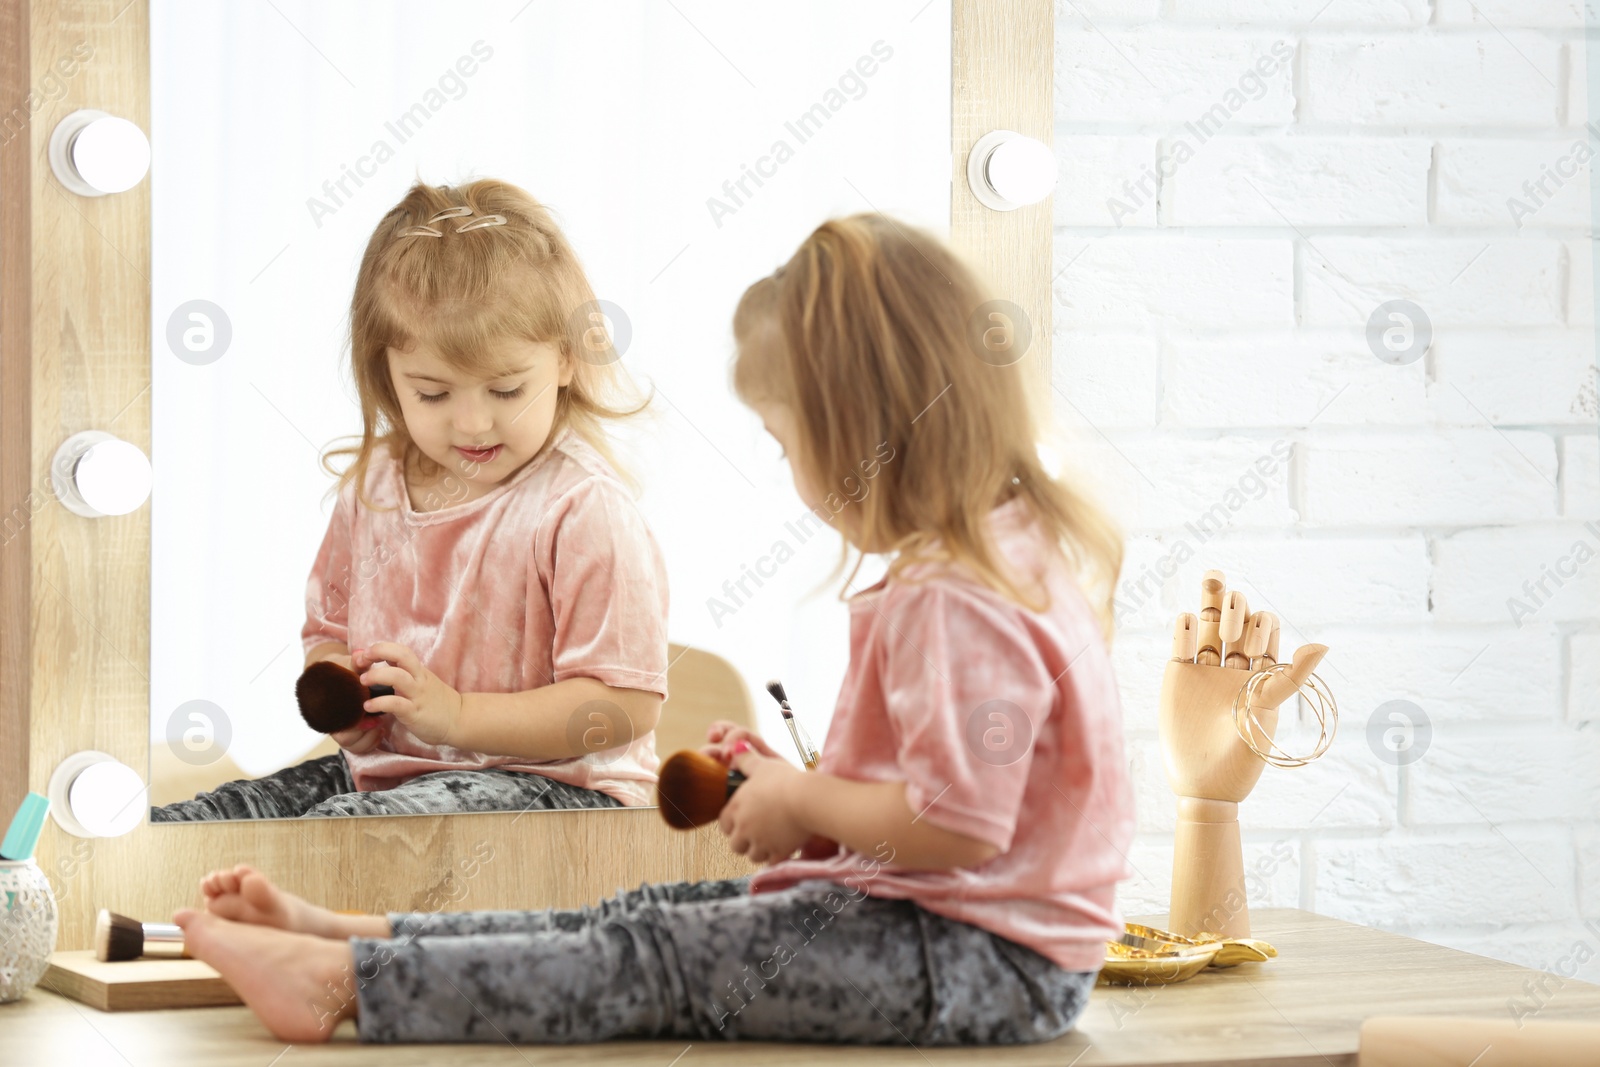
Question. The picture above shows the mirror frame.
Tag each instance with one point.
(75, 351)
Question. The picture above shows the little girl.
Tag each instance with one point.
(961, 839)
(492, 568)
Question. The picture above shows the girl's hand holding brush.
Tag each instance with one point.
(738, 781)
(331, 698)
(426, 704)
(363, 738)
(759, 818)
(722, 735)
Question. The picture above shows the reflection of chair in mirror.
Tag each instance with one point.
(702, 687)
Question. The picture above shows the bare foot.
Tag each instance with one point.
(301, 987)
(243, 894)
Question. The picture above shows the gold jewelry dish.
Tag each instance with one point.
(1147, 956)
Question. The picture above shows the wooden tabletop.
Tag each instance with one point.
(1305, 1007)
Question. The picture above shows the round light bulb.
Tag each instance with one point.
(111, 154)
(107, 799)
(92, 153)
(1006, 170)
(1022, 170)
(113, 477)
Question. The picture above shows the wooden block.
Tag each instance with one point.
(137, 985)
(1440, 1041)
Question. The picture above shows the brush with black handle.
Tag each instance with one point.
(692, 789)
(331, 698)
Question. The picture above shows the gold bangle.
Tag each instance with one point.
(1322, 704)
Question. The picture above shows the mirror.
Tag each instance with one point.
(685, 150)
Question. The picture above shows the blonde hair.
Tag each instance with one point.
(461, 292)
(866, 335)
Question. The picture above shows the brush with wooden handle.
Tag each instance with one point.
(1445, 1041)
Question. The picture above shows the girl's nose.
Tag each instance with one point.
(473, 419)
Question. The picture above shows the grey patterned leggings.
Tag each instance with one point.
(709, 961)
(324, 787)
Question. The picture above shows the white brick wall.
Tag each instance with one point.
(1404, 78)
(1242, 184)
(1304, 181)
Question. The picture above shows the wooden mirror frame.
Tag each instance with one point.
(75, 351)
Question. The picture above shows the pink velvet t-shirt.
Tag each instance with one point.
(551, 575)
(1006, 726)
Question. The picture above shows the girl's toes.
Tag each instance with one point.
(196, 927)
(226, 907)
(256, 890)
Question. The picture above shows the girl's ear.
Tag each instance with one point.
(565, 367)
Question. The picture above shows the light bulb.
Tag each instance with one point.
(114, 477)
(93, 795)
(107, 799)
(111, 154)
(94, 154)
(1023, 170)
(96, 474)
(1006, 170)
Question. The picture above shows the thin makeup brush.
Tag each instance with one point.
(818, 845)
(802, 741)
(117, 937)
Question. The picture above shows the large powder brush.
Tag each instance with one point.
(692, 789)
(117, 938)
(331, 697)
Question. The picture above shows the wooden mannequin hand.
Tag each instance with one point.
(1204, 755)
(1209, 765)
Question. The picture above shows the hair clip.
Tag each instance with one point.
(478, 224)
(452, 212)
(421, 231)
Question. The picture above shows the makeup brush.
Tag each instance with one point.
(331, 697)
(117, 937)
(802, 741)
(692, 788)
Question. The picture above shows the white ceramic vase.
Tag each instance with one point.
(27, 927)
